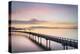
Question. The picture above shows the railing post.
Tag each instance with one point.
(32, 37)
(40, 40)
(63, 47)
(66, 47)
(49, 44)
(35, 38)
(65, 42)
(29, 35)
(46, 43)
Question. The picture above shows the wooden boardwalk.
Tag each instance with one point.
(33, 42)
(64, 41)
(21, 43)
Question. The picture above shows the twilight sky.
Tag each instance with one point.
(24, 11)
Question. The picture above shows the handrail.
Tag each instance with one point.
(63, 41)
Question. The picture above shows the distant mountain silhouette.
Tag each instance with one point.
(32, 21)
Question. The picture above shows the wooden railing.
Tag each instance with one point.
(64, 41)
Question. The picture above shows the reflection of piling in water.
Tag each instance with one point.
(64, 41)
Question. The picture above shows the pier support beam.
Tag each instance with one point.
(40, 40)
(64, 41)
(35, 38)
(65, 47)
(48, 44)
(29, 35)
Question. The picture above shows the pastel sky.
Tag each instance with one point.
(24, 11)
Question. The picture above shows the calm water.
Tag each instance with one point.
(19, 42)
(66, 33)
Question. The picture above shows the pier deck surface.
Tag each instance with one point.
(20, 43)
